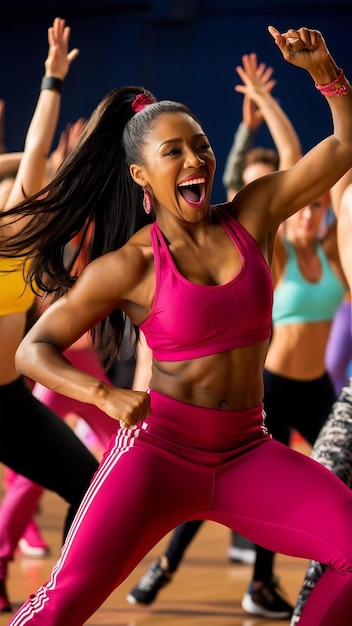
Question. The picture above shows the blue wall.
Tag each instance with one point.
(180, 49)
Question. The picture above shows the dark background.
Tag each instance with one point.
(180, 49)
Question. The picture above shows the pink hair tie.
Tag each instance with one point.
(140, 102)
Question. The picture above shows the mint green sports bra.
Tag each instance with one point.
(297, 300)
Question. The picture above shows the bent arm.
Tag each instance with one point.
(320, 168)
(282, 193)
(103, 286)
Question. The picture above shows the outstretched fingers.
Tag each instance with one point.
(59, 56)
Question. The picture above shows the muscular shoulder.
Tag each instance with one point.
(122, 279)
(137, 254)
(129, 263)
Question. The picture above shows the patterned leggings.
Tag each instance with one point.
(333, 449)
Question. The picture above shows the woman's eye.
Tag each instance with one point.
(172, 152)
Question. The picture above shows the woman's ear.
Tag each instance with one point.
(138, 174)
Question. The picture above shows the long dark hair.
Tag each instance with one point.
(92, 190)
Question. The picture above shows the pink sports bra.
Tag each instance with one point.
(188, 320)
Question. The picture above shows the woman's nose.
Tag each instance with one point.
(194, 160)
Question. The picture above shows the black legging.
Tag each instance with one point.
(180, 539)
(38, 444)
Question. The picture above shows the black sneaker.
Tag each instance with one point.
(266, 602)
(149, 585)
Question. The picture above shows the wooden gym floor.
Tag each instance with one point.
(206, 590)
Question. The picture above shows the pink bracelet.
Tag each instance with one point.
(327, 90)
(330, 85)
(341, 91)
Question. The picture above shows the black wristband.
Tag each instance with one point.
(50, 82)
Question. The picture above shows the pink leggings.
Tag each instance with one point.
(22, 497)
(186, 462)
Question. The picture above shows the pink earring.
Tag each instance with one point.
(147, 201)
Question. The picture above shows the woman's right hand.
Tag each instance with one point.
(124, 405)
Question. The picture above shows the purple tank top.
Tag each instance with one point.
(188, 320)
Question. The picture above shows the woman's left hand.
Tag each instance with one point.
(304, 47)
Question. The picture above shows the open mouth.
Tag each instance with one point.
(193, 192)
